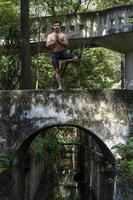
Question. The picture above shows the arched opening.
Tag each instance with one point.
(107, 153)
(85, 169)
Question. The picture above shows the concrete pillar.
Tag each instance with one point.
(129, 70)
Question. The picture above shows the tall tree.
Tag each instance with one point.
(26, 82)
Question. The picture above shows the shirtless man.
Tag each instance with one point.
(58, 43)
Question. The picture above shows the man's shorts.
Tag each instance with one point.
(62, 55)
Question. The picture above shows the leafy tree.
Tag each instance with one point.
(99, 68)
(57, 7)
(47, 148)
(125, 172)
(9, 49)
(42, 71)
(102, 4)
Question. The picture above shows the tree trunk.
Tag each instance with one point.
(122, 71)
(26, 82)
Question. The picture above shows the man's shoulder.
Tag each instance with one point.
(50, 34)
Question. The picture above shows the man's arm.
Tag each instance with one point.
(49, 41)
(63, 42)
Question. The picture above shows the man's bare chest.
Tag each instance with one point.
(57, 36)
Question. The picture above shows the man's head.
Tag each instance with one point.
(56, 26)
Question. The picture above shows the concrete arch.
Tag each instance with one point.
(108, 155)
(19, 175)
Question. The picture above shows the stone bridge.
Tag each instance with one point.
(111, 28)
(105, 115)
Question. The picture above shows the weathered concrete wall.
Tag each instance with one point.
(4, 186)
(33, 174)
(108, 114)
(21, 181)
(111, 28)
(93, 172)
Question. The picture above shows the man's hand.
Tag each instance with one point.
(56, 37)
(50, 41)
(60, 42)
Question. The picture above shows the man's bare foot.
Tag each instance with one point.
(60, 88)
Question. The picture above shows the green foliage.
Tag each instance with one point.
(99, 68)
(4, 162)
(9, 21)
(9, 72)
(64, 135)
(56, 7)
(9, 51)
(126, 150)
(8, 2)
(47, 148)
(42, 65)
(102, 4)
(125, 172)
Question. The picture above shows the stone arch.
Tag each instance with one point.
(19, 180)
(108, 155)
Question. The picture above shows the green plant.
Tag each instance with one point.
(125, 150)
(47, 148)
(125, 170)
(4, 162)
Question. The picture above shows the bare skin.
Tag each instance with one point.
(57, 42)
